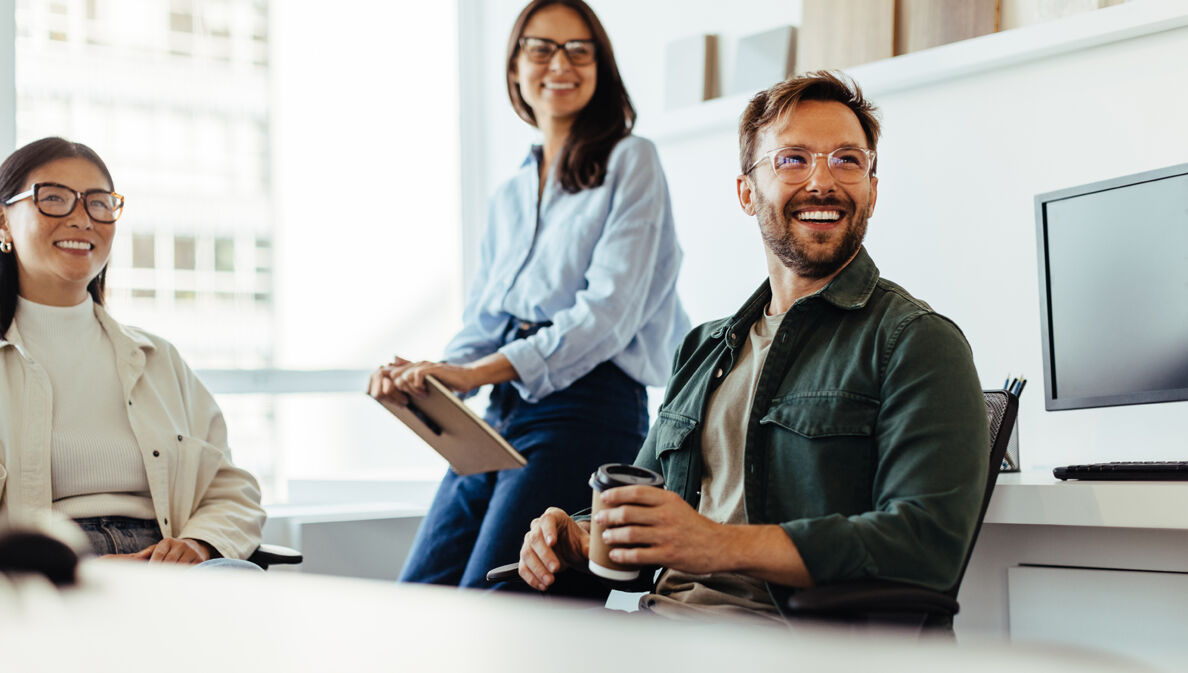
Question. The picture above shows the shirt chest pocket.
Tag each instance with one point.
(825, 437)
(670, 433)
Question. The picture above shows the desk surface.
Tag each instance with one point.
(1038, 498)
(234, 621)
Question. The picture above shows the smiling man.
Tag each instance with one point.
(833, 429)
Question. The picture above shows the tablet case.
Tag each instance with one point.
(455, 431)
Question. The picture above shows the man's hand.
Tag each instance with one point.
(662, 530)
(553, 543)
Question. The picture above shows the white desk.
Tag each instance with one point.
(1083, 562)
(127, 616)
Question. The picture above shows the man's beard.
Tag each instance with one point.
(796, 250)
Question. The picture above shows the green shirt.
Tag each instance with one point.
(867, 439)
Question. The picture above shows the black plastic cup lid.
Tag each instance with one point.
(618, 474)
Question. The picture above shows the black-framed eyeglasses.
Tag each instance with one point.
(541, 50)
(57, 200)
(794, 165)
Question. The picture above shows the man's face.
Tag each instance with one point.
(816, 227)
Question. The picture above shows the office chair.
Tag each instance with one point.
(873, 602)
(275, 555)
(887, 603)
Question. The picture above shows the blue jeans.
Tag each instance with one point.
(478, 522)
(125, 535)
(119, 534)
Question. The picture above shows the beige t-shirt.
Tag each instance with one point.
(684, 595)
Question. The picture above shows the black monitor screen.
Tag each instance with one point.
(1114, 280)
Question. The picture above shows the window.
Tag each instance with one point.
(184, 252)
(224, 257)
(234, 245)
(144, 252)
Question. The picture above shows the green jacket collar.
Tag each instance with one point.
(849, 290)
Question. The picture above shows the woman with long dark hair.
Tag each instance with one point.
(573, 310)
(100, 422)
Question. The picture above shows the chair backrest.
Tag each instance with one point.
(1001, 409)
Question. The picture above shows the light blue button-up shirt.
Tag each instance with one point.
(601, 265)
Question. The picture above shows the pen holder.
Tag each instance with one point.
(1010, 461)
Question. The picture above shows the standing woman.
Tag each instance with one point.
(573, 310)
(100, 422)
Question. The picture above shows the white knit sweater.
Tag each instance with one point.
(96, 464)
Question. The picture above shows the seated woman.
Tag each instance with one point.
(101, 422)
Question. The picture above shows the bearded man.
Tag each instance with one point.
(833, 429)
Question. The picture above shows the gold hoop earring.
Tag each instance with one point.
(5, 246)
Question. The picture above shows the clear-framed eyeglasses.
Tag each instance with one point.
(57, 200)
(794, 165)
(541, 50)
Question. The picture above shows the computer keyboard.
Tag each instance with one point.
(1147, 470)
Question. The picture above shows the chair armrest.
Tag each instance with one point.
(870, 596)
(275, 554)
(505, 573)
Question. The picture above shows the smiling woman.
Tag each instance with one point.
(573, 310)
(136, 451)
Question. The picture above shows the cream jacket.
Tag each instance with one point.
(197, 492)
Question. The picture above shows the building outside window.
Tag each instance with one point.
(231, 139)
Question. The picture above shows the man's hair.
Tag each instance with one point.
(13, 173)
(778, 101)
(605, 120)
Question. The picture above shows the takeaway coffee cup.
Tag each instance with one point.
(606, 477)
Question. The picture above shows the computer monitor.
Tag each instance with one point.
(1113, 278)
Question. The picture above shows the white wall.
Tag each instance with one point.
(960, 164)
(365, 154)
(7, 77)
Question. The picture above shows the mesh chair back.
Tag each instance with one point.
(1001, 409)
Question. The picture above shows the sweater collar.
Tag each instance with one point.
(125, 340)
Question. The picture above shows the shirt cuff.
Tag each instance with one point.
(830, 551)
(531, 369)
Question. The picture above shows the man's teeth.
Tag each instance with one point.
(819, 215)
(560, 85)
(74, 245)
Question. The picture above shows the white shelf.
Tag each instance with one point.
(1039, 499)
(988, 52)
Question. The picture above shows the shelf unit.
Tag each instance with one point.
(988, 52)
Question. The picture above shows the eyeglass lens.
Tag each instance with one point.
(59, 201)
(541, 50)
(847, 164)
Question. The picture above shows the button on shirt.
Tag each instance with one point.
(600, 265)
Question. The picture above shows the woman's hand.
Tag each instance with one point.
(186, 551)
(382, 384)
(401, 379)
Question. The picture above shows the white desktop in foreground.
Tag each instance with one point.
(126, 615)
(1101, 564)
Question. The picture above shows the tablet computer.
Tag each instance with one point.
(455, 431)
